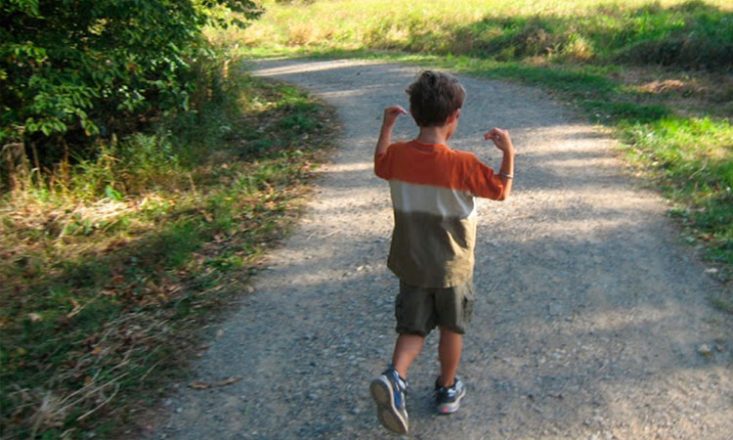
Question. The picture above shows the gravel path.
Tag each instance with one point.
(592, 321)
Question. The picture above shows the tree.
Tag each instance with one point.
(75, 70)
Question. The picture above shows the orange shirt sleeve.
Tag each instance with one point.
(382, 164)
(481, 180)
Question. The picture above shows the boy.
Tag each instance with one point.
(432, 189)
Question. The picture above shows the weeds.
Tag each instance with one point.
(109, 270)
(692, 158)
(689, 34)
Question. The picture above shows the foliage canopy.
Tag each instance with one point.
(71, 71)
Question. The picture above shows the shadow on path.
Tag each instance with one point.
(589, 313)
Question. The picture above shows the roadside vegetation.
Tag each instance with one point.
(104, 292)
(122, 234)
(660, 74)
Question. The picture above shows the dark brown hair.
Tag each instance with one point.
(433, 97)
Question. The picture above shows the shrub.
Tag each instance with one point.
(74, 72)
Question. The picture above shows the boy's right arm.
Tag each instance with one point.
(391, 114)
(503, 142)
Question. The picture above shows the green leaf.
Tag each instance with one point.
(113, 194)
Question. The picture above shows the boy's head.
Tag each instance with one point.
(434, 97)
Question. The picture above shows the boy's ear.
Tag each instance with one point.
(455, 115)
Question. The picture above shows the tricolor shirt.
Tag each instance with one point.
(433, 189)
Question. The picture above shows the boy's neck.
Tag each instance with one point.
(435, 135)
(439, 134)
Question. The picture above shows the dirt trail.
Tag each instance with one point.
(590, 315)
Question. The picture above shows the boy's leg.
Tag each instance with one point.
(388, 390)
(414, 314)
(449, 389)
(406, 350)
(455, 307)
(450, 348)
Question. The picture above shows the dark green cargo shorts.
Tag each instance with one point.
(420, 309)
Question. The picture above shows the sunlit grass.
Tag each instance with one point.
(693, 160)
(669, 32)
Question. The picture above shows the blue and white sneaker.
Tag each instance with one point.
(448, 399)
(388, 392)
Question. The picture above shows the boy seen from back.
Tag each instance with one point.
(432, 249)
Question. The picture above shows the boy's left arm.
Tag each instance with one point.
(503, 142)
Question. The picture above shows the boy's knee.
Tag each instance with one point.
(451, 331)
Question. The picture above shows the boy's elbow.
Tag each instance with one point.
(380, 168)
(498, 195)
(500, 188)
(379, 173)
(504, 194)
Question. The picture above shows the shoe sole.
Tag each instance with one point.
(450, 408)
(387, 413)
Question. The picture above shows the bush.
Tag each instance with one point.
(74, 72)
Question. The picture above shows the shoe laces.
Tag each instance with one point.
(395, 378)
(449, 392)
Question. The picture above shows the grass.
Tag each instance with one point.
(657, 73)
(671, 32)
(111, 268)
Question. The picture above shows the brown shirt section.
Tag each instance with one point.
(433, 189)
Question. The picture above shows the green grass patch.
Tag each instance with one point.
(111, 267)
(692, 159)
(688, 34)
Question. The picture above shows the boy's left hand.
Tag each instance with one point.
(501, 139)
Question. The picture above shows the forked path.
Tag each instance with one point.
(590, 315)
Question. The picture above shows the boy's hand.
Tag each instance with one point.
(391, 114)
(501, 139)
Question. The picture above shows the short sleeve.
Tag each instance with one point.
(382, 166)
(481, 181)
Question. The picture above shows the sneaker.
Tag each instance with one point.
(448, 399)
(388, 392)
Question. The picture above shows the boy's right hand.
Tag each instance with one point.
(501, 139)
(391, 114)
